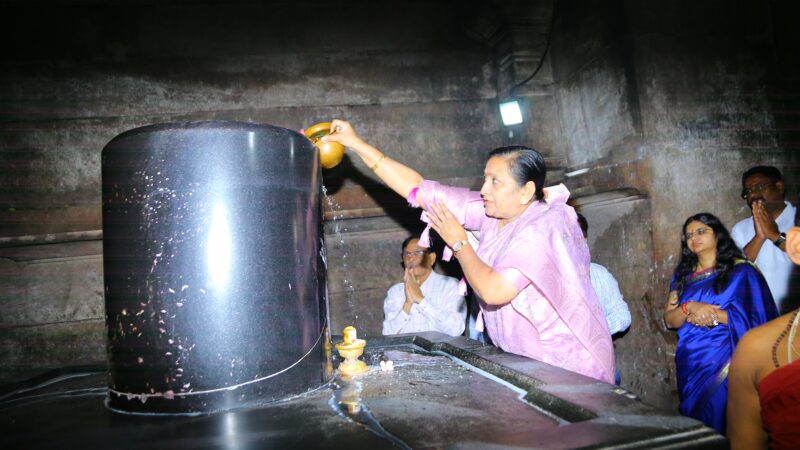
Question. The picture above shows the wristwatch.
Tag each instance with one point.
(459, 245)
(781, 239)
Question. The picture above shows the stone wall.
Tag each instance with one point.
(52, 303)
(665, 101)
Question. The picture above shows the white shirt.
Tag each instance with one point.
(614, 307)
(773, 262)
(442, 308)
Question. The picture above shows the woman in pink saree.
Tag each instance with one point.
(531, 267)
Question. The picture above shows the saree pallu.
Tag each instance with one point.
(556, 317)
(704, 353)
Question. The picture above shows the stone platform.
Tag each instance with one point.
(443, 392)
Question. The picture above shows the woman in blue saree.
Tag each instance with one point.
(715, 297)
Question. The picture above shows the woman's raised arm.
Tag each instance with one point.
(399, 177)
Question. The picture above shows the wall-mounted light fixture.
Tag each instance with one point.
(511, 112)
(510, 109)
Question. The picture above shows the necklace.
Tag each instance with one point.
(790, 343)
(791, 328)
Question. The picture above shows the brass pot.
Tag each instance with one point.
(330, 153)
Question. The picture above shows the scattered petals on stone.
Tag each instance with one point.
(387, 366)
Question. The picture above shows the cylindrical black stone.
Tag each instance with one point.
(214, 267)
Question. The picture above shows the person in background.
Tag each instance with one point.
(425, 300)
(715, 297)
(764, 396)
(531, 267)
(762, 236)
(605, 285)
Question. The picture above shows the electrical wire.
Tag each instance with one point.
(544, 54)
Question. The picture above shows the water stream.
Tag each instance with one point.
(339, 229)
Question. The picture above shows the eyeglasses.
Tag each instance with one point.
(414, 253)
(699, 232)
(755, 189)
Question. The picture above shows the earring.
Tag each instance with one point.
(523, 202)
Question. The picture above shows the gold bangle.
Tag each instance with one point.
(380, 160)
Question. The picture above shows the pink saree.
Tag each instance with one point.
(556, 317)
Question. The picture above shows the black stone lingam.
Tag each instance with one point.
(214, 267)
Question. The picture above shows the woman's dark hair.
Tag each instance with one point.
(584, 224)
(727, 252)
(525, 164)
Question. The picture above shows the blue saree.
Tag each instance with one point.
(704, 353)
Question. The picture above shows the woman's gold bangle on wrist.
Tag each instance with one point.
(378, 163)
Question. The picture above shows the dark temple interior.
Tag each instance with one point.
(648, 112)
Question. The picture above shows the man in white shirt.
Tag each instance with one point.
(762, 236)
(605, 285)
(425, 300)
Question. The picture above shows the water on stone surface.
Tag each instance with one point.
(346, 401)
(430, 400)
